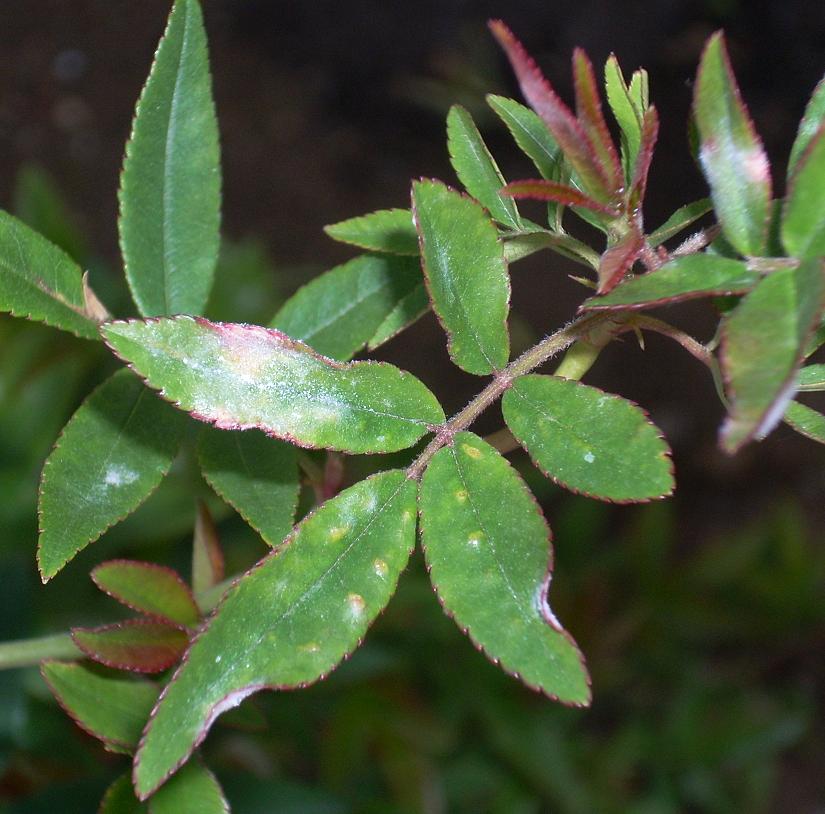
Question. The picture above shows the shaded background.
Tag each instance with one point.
(701, 617)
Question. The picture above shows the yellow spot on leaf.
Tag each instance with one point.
(380, 568)
(471, 451)
(461, 495)
(337, 532)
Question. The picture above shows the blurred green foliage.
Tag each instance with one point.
(705, 654)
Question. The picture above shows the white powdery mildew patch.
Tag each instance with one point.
(589, 457)
(355, 607)
(117, 476)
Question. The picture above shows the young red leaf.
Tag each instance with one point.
(731, 153)
(589, 110)
(540, 190)
(137, 645)
(148, 588)
(618, 259)
(638, 183)
(564, 126)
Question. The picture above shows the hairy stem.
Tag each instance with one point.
(30, 652)
(530, 359)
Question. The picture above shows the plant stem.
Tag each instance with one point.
(530, 359)
(30, 652)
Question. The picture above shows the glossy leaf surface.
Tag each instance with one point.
(136, 645)
(170, 187)
(388, 230)
(731, 153)
(589, 441)
(147, 588)
(120, 798)
(812, 120)
(193, 790)
(291, 619)
(256, 475)
(685, 278)
(111, 456)
(488, 550)
(806, 421)
(763, 341)
(338, 312)
(112, 709)
(466, 275)
(477, 169)
(803, 220)
(245, 377)
(41, 282)
(531, 134)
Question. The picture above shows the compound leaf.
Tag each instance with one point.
(731, 153)
(338, 312)
(290, 620)
(193, 790)
(488, 550)
(40, 281)
(245, 376)
(152, 589)
(388, 230)
(138, 645)
(112, 709)
(685, 278)
(111, 456)
(803, 219)
(589, 441)
(256, 475)
(466, 275)
(170, 187)
(477, 169)
(763, 342)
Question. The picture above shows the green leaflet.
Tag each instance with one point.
(338, 312)
(388, 230)
(812, 120)
(152, 589)
(806, 421)
(812, 377)
(406, 311)
(245, 377)
(193, 790)
(208, 565)
(476, 168)
(488, 550)
(111, 456)
(689, 277)
(41, 282)
(291, 619)
(256, 475)
(762, 344)
(120, 798)
(138, 645)
(683, 217)
(803, 219)
(628, 117)
(731, 153)
(112, 709)
(531, 135)
(466, 275)
(589, 441)
(170, 187)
